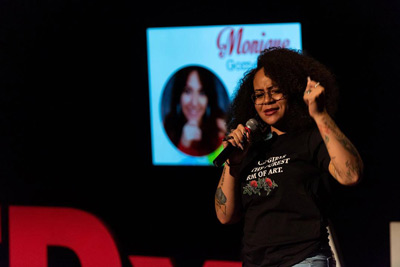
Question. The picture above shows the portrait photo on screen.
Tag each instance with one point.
(193, 73)
(193, 107)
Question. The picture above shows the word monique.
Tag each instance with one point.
(229, 41)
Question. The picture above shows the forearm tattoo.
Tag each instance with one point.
(220, 198)
(353, 167)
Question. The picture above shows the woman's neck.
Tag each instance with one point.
(275, 130)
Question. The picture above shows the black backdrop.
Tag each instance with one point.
(75, 125)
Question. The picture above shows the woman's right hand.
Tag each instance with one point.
(191, 132)
(239, 138)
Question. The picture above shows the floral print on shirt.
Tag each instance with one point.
(256, 186)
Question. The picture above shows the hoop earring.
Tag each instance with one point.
(208, 111)
(178, 109)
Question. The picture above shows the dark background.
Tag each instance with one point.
(75, 127)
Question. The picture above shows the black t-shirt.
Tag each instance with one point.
(284, 222)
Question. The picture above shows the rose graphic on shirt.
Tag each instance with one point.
(269, 182)
(256, 187)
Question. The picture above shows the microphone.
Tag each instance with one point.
(252, 125)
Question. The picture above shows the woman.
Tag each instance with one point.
(273, 183)
(195, 122)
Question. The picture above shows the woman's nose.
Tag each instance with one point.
(268, 99)
(194, 99)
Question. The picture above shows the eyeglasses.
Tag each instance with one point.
(259, 97)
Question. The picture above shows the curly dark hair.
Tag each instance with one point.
(289, 69)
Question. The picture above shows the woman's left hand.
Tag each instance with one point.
(314, 97)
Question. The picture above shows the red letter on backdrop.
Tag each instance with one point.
(144, 261)
(33, 229)
(213, 263)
